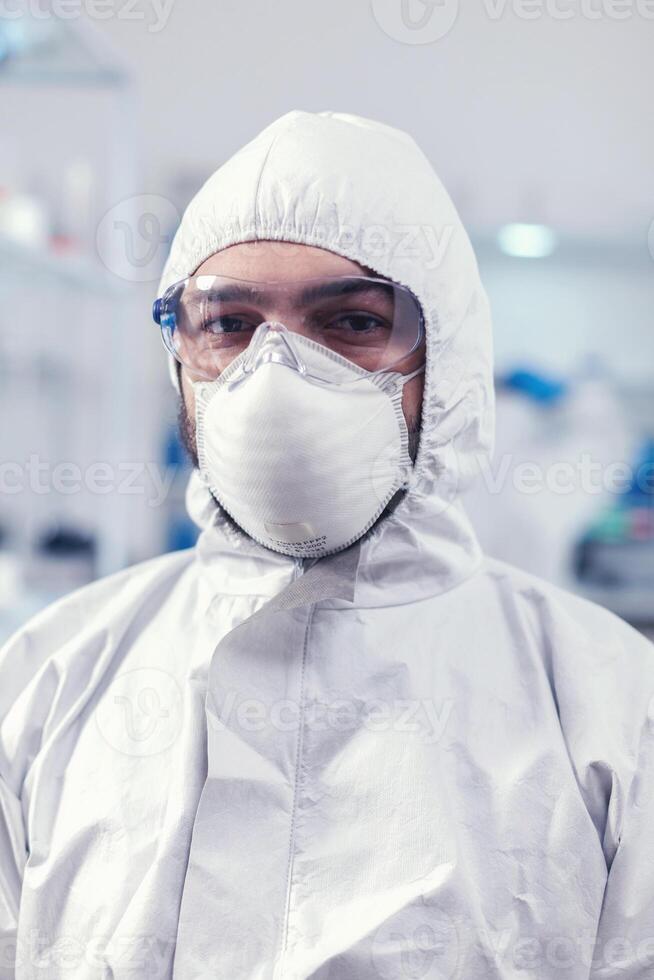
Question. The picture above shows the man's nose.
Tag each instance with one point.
(294, 321)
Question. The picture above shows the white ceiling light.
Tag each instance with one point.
(527, 241)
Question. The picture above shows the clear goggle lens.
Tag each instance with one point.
(207, 321)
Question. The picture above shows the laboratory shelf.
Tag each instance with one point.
(40, 48)
(77, 270)
(71, 358)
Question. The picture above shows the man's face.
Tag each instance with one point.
(265, 261)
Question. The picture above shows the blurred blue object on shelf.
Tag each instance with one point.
(539, 387)
(180, 532)
(617, 550)
(174, 453)
(557, 438)
(640, 492)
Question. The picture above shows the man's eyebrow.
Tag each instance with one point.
(316, 291)
(327, 289)
(225, 293)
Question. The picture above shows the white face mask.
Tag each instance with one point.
(302, 448)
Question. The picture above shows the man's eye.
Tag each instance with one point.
(228, 324)
(357, 323)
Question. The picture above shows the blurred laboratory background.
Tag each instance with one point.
(540, 121)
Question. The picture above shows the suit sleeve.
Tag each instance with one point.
(26, 695)
(624, 946)
(13, 839)
(13, 851)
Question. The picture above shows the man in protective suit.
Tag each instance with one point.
(331, 740)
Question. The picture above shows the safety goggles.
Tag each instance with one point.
(207, 321)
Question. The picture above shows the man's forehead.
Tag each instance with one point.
(274, 261)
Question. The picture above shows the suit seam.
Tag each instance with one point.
(296, 793)
(259, 180)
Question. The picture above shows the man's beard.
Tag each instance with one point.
(187, 433)
(414, 424)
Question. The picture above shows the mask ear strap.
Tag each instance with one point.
(390, 381)
(414, 374)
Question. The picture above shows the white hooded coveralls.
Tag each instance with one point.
(413, 762)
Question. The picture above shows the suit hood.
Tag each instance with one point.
(365, 190)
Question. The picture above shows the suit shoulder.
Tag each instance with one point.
(563, 616)
(63, 618)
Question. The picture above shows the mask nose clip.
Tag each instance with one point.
(253, 356)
